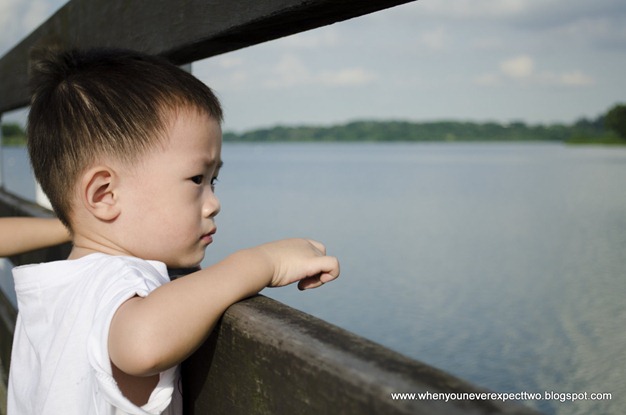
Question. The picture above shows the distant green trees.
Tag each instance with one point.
(609, 128)
(615, 120)
(384, 131)
(13, 134)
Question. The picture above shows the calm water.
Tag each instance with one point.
(504, 264)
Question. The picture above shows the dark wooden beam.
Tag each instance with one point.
(266, 358)
(184, 31)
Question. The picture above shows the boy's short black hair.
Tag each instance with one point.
(92, 103)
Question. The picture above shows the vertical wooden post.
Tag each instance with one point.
(1, 158)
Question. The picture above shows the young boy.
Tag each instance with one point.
(128, 148)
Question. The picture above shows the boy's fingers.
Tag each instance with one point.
(318, 245)
(330, 266)
(327, 277)
(310, 282)
(327, 264)
(325, 267)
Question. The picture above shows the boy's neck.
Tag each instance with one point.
(84, 246)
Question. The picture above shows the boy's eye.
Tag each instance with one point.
(214, 181)
(197, 179)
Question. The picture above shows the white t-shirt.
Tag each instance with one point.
(60, 361)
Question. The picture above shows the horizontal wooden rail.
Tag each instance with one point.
(267, 358)
(183, 31)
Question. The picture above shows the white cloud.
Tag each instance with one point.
(346, 77)
(576, 78)
(235, 79)
(291, 71)
(518, 67)
(229, 61)
(324, 37)
(474, 8)
(226, 72)
(573, 78)
(522, 68)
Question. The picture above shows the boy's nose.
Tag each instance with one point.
(211, 206)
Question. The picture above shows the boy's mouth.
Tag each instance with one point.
(207, 238)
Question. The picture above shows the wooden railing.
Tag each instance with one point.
(263, 357)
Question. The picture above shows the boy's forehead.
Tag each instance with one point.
(195, 132)
(193, 119)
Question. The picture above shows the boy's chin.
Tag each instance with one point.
(185, 262)
(183, 267)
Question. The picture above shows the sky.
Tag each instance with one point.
(536, 61)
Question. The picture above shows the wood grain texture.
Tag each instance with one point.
(267, 358)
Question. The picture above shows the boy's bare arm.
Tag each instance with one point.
(21, 234)
(151, 334)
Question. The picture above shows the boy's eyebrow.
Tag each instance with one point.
(209, 163)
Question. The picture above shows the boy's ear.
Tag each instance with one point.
(99, 193)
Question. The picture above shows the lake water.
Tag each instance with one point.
(504, 264)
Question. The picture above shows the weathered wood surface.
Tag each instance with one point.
(267, 358)
(183, 31)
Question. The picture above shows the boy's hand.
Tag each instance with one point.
(300, 260)
(153, 333)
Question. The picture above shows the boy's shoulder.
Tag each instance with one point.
(97, 268)
(94, 285)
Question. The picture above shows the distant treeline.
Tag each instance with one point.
(386, 131)
(13, 135)
(582, 131)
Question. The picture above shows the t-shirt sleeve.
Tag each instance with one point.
(125, 282)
